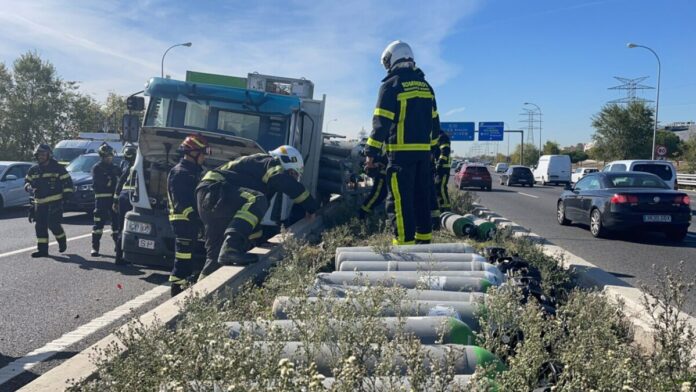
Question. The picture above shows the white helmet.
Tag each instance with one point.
(395, 51)
(290, 158)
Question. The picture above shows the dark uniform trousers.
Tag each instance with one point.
(124, 205)
(103, 214)
(186, 233)
(48, 216)
(443, 199)
(378, 192)
(226, 209)
(407, 198)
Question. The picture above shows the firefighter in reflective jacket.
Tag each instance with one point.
(406, 124)
(105, 176)
(378, 193)
(51, 185)
(443, 164)
(233, 199)
(122, 203)
(183, 211)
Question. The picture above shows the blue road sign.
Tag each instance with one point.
(459, 131)
(491, 131)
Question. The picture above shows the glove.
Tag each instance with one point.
(114, 207)
(31, 214)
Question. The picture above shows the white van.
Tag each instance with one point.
(501, 167)
(66, 151)
(553, 169)
(663, 169)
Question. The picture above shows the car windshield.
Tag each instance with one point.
(2, 168)
(83, 164)
(67, 154)
(636, 181)
(662, 171)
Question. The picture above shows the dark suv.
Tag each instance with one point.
(474, 176)
(517, 175)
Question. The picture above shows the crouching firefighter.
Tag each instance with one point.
(51, 186)
(378, 173)
(183, 211)
(105, 176)
(122, 203)
(233, 199)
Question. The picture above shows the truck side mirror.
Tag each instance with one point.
(135, 103)
(131, 127)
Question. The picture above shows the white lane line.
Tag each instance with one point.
(39, 355)
(18, 251)
(527, 194)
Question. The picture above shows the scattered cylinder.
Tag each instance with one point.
(413, 294)
(432, 280)
(332, 175)
(458, 382)
(398, 256)
(429, 330)
(325, 186)
(456, 247)
(485, 230)
(457, 224)
(421, 266)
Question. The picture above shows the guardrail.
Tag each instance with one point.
(686, 179)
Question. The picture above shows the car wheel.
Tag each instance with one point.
(489, 188)
(531, 185)
(507, 183)
(677, 235)
(596, 227)
(560, 214)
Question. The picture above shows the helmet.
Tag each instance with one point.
(195, 143)
(43, 148)
(105, 150)
(290, 158)
(395, 52)
(129, 152)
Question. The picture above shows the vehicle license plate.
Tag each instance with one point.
(657, 218)
(476, 178)
(147, 244)
(523, 180)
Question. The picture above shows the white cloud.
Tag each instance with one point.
(454, 111)
(115, 46)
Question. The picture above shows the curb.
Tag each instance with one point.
(591, 276)
(82, 366)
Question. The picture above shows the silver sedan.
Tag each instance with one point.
(12, 191)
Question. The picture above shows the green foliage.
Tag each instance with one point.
(552, 148)
(672, 142)
(531, 155)
(576, 155)
(689, 148)
(623, 132)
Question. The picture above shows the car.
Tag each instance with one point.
(625, 201)
(12, 191)
(663, 169)
(66, 151)
(553, 169)
(581, 172)
(474, 176)
(517, 175)
(80, 170)
(501, 167)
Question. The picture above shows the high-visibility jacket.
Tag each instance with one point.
(181, 191)
(50, 182)
(405, 121)
(104, 179)
(123, 183)
(443, 159)
(262, 173)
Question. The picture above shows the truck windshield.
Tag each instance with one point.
(267, 130)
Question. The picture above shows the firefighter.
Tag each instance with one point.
(443, 165)
(378, 193)
(122, 203)
(406, 124)
(233, 199)
(183, 210)
(51, 186)
(105, 176)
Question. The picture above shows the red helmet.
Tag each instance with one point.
(195, 143)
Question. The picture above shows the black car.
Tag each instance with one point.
(613, 201)
(80, 171)
(517, 175)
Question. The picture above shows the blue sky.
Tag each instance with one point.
(484, 58)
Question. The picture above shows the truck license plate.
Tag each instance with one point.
(657, 218)
(147, 244)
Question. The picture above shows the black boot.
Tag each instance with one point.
(95, 250)
(175, 289)
(62, 245)
(41, 251)
(233, 251)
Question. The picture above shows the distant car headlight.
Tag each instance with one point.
(138, 227)
(87, 187)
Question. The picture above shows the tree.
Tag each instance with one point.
(671, 141)
(689, 149)
(531, 155)
(576, 155)
(623, 132)
(552, 148)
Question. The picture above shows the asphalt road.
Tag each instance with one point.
(629, 256)
(43, 299)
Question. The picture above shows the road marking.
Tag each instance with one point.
(39, 355)
(527, 194)
(18, 251)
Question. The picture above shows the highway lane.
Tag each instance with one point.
(628, 256)
(42, 299)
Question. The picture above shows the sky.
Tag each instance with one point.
(484, 58)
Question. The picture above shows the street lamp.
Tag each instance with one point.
(631, 45)
(541, 151)
(329, 123)
(187, 44)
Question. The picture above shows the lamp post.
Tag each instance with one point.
(329, 123)
(541, 150)
(187, 44)
(631, 45)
